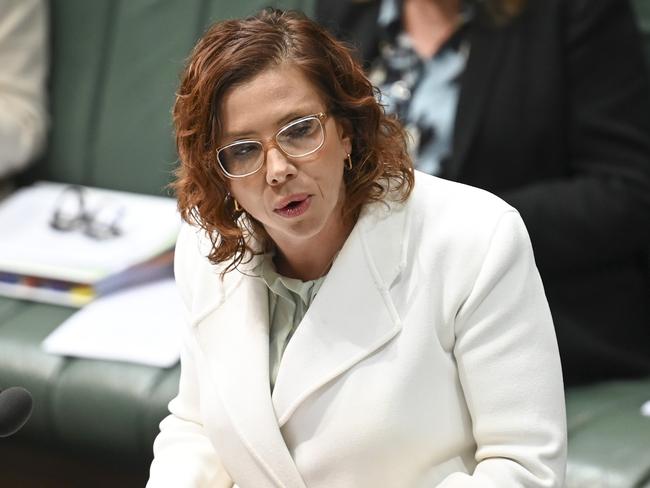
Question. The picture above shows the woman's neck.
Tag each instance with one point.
(310, 259)
(429, 23)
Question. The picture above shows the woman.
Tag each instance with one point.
(545, 103)
(351, 323)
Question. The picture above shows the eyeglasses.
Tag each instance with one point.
(297, 139)
(71, 213)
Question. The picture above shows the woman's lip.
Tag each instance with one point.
(290, 211)
(296, 197)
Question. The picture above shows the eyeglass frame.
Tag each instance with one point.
(273, 142)
(84, 219)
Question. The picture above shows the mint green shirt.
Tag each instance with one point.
(289, 299)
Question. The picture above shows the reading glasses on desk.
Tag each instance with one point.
(72, 213)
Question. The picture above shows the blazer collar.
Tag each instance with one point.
(487, 43)
(234, 340)
(351, 317)
(353, 314)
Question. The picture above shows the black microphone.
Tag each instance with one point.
(15, 408)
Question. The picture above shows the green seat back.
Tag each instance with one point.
(115, 68)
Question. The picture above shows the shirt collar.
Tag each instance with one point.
(284, 286)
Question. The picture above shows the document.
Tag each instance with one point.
(140, 324)
(30, 245)
(67, 244)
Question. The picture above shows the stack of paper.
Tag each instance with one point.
(139, 325)
(39, 262)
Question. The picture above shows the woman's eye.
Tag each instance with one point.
(301, 129)
(243, 150)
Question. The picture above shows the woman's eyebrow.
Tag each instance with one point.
(279, 123)
(293, 115)
(233, 136)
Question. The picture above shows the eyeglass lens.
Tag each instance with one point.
(298, 139)
(69, 211)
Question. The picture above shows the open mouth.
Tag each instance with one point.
(293, 204)
(294, 208)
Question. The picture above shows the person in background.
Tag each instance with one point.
(351, 323)
(545, 103)
(23, 73)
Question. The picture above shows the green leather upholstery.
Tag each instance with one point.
(22, 327)
(110, 406)
(609, 437)
(115, 70)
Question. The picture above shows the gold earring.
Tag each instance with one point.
(348, 163)
(234, 202)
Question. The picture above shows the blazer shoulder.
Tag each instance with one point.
(192, 248)
(435, 197)
(200, 282)
(453, 219)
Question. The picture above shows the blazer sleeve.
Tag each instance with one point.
(599, 212)
(183, 454)
(509, 368)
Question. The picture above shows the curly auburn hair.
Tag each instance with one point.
(233, 52)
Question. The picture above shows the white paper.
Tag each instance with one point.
(140, 324)
(29, 246)
(645, 409)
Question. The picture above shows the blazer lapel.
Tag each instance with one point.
(353, 314)
(486, 47)
(234, 339)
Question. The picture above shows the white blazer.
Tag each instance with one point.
(427, 359)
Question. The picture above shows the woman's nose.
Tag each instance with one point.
(279, 168)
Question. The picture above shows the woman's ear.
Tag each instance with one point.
(344, 128)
